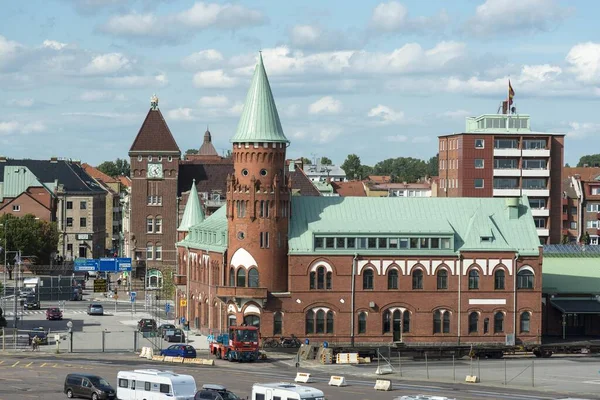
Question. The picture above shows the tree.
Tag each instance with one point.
(191, 151)
(565, 239)
(585, 239)
(352, 167)
(433, 165)
(35, 239)
(306, 161)
(591, 160)
(567, 165)
(402, 169)
(326, 161)
(115, 168)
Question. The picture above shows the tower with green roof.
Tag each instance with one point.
(258, 198)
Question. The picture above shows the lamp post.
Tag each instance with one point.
(5, 249)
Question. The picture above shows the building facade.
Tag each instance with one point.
(499, 155)
(354, 270)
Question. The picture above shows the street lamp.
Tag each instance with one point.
(5, 226)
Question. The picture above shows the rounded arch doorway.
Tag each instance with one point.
(252, 320)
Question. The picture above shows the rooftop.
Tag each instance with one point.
(352, 188)
(154, 134)
(501, 124)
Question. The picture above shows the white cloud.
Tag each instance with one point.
(327, 134)
(315, 37)
(11, 127)
(101, 95)
(137, 81)
(539, 73)
(581, 130)
(397, 138)
(325, 105)
(181, 114)
(133, 24)
(501, 17)
(107, 64)
(25, 103)
(214, 79)
(393, 17)
(202, 59)
(386, 115)
(585, 62)
(305, 35)
(226, 16)
(219, 101)
(8, 50)
(53, 44)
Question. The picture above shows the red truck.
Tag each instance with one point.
(239, 344)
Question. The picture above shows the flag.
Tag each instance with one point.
(511, 93)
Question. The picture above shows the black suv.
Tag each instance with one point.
(215, 392)
(147, 325)
(31, 303)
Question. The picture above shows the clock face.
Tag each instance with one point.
(155, 171)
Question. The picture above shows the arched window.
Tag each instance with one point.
(149, 251)
(406, 321)
(387, 321)
(321, 278)
(277, 323)
(473, 279)
(320, 321)
(446, 327)
(525, 321)
(253, 278)
(473, 322)
(312, 278)
(231, 276)
(437, 321)
(499, 322)
(525, 279)
(362, 322)
(442, 279)
(368, 279)
(499, 279)
(328, 280)
(310, 322)
(241, 277)
(154, 279)
(393, 279)
(417, 279)
(329, 321)
(252, 320)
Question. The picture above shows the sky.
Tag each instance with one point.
(378, 79)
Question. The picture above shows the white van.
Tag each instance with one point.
(154, 384)
(282, 390)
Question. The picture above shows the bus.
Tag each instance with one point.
(154, 384)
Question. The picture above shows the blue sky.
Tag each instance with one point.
(379, 79)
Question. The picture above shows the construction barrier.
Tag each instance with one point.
(168, 359)
(337, 381)
(383, 384)
(364, 360)
(147, 352)
(178, 360)
(384, 370)
(158, 358)
(346, 358)
(302, 377)
(472, 379)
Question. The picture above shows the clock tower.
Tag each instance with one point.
(154, 158)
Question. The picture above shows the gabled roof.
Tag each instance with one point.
(154, 135)
(352, 188)
(216, 228)
(259, 121)
(208, 177)
(97, 174)
(17, 179)
(207, 148)
(301, 185)
(193, 214)
(585, 173)
(125, 180)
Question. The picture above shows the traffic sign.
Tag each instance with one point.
(183, 303)
(133, 294)
(167, 308)
(85, 264)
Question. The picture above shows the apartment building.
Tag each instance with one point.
(581, 205)
(499, 155)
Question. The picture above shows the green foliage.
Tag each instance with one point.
(565, 239)
(585, 238)
(32, 237)
(168, 289)
(402, 169)
(433, 165)
(306, 161)
(352, 167)
(115, 168)
(592, 160)
(567, 165)
(191, 151)
(326, 161)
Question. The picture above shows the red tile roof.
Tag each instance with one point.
(125, 180)
(97, 174)
(154, 135)
(380, 178)
(352, 188)
(585, 173)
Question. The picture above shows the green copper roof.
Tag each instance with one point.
(193, 214)
(571, 275)
(466, 220)
(260, 120)
(210, 234)
(16, 180)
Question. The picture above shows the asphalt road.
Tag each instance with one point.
(36, 376)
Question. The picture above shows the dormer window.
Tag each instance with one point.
(487, 239)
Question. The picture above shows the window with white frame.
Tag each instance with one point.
(149, 251)
(538, 204)
(158, 252)
(158, 225)
(16, 208)
(594, 240)
(479, 163)
(540, 223)
(595, 189)
(593, 224)
(593, 207)
(573, 225)
(479, 143)
(150, 225)
(478, 183)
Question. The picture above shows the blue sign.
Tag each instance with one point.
(123, 264)
(85, 264)
(167, 308)
(108, 264)
(133, 295)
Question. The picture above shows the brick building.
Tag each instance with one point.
(499, 155)
(353, 270)
(581, 205)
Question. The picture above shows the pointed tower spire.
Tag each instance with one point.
(259, 121)
(193, 214)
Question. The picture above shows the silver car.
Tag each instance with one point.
(95, 309)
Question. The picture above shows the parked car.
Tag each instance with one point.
(174, 335)
(77, 294)
(163, 328)
(88, 386)
(40, 333)
(26, 291)
(95, 309)
(179, 350)
(146, 325)
(214, 392)
(31, 303)
(53, 313)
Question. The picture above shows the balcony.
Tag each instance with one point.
(180, 280)
(507, 152)
(512, 192)
(540, 212)
(536, 153)
(240, 295)
(507, 172)
(536, 192)
(543, 232)
(536, 173)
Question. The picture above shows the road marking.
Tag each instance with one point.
(28, 365)
(15, 364)
(596, 382)
(43, 364)
(2, 362)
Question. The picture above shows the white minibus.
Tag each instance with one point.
(288, 391)
(154, 384)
